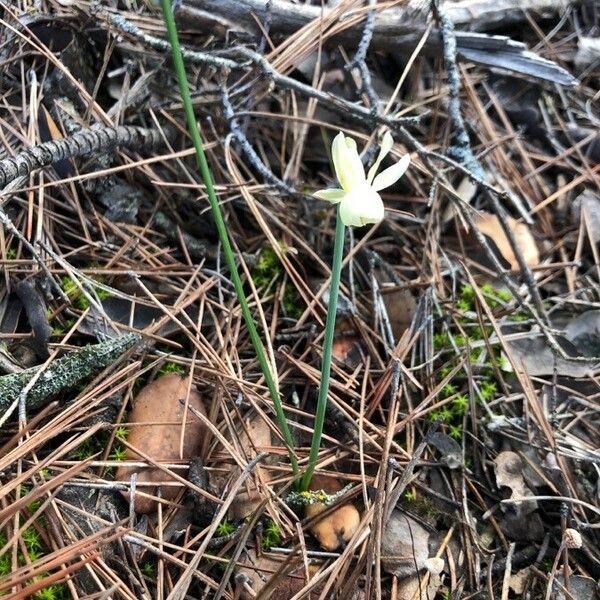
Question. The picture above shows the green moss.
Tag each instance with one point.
(84, 450)
(148, 569)
(449, 390)
(460, 340)
(32, 539)
(460, 404)
(5, 560)
(171, 367)
(225, 527)
(267, 271)
(467, 295)
(121, 432)
(291, 303)
(119, 453)
(445, 414)
(463, 306)
(75, 295)
(487, 389)
(455, 431)
(271, 535)
(474, 356)
(267, 268)
(518, 316)
(52, 592)
(441, 341)
(410, 495)
(434, 416)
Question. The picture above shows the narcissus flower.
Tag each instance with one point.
(359, 201)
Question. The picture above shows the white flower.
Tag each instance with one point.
(359, 201)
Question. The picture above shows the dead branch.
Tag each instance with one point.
(398, 29)
(286, 17)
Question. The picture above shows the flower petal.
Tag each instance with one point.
(362, 206)
(348, 166)
(334, 195)
(386, 145)
(391, 174)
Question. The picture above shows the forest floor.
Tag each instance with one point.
(140, 455)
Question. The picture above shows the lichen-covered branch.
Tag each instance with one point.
(249, 58)
(63, 373)
(461, 146)
(247, 148)
(88, 142)
(360, 58)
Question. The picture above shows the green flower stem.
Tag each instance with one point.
(336, 270)
(222, 229)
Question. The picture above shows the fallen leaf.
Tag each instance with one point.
(518, 580)
(583, 332)
(404, 546)
(449, 448)
(347, 351)
(254, 438)
(490, 226)
(340, 524)
(157, 417)
(418, 587)
(519, 522)
(254, 574)
(400, 306)
(580, 588)
(509, 473)
(538, 358)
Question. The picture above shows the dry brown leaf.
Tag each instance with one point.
(490, 226)
(254, 574)
(347, 351)
(157, 414)
(400, 306)
(518, 580)
(509, 473)
(256, 437)
(339, 525)
(404, 546)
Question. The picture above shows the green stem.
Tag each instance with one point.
(222, 229)
(336, 271)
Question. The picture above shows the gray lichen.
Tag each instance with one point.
(63, 373)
